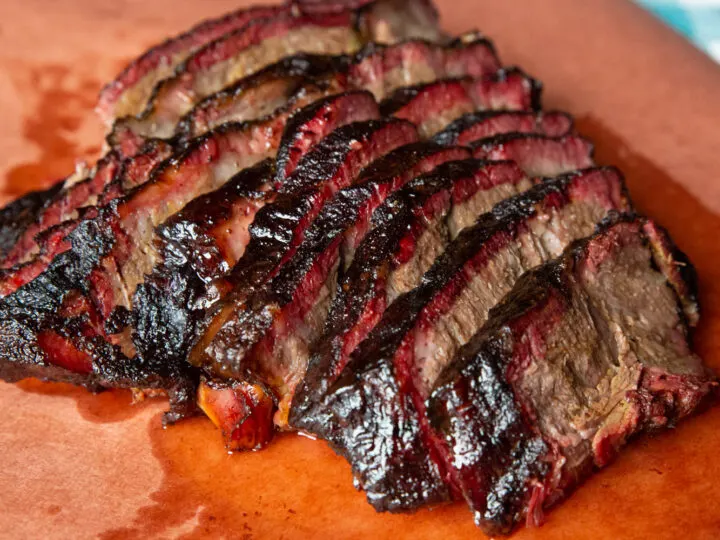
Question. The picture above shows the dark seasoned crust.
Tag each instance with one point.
(571, 152)
(571, 324)
(16, 216)
(482, 125)
(278, 228)
(386, 381)
(296, 295)
(127, 94)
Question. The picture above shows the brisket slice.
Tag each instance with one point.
(279, 228)
(378, 68)
(259, 44)
(585, 352)
(482, 125)
(53, 239)
(63, 206)
(199, 245)
(571, 151)
(21, 213)
(507, 89)
(409, 231)
(374, 414)
(129, 92)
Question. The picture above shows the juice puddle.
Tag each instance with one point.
(660, 487)
(63, 103)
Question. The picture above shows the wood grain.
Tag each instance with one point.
(77, 465)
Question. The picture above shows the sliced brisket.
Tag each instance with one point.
(391, 372)
(433, 106)
(259, 44)
(483, 125)
(584, 353)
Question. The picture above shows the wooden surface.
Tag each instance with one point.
(76, 465)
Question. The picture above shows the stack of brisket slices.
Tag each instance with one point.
(330, 217)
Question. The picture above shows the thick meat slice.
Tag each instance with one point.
(374, 414)
(199, 246)
(409, 231)
(85, 294)
(433, 106)
(584, 353)
(378, 68)
(572, 151)
(259, 44)
(130, 91)
(50, 240)
(279, 228)
(482, 125)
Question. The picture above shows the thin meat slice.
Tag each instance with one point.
(411, 229)
(374, 414)
(584, 353)
(571, 151)
(378, 68)
(131, 89)
(433, 106)
(251, 48)
(483, 125)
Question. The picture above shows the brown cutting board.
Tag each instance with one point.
(75, 465)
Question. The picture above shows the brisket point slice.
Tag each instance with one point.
(585, 352)
(374, 413)
(485, 124)
(567, 153)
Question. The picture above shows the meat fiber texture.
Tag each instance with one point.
(603, 326)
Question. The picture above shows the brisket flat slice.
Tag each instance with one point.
(20, 214)
(483, 125)
(584, 353)
(394, 257)
(378, 68)
(571, 151)
(279, 228)
(256, 45)
(434, 105)
(374, 414)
